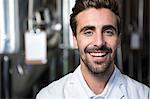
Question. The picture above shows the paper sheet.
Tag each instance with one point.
(35, 48)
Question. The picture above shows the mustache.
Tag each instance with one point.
(102, 48)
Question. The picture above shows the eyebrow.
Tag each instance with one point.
(88, 27)
(105, 27)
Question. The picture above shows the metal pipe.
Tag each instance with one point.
(149, 40)
(140, 31)
(30, 15)
(0, 78)
(6, 78)
(9, 28)
(65, 35)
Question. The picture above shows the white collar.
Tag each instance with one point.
(107, 89)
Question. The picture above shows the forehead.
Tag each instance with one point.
(96, 17)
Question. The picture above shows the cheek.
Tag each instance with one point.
(113, 44)
(82, 44)
(114, 48)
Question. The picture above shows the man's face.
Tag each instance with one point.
(97, 38)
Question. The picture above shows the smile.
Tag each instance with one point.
(98, 54)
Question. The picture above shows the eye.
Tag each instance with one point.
(109, 32)
(88, 33)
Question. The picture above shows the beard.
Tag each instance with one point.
(98, 67)
(101, 67)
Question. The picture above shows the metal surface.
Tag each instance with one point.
(65, 16)
(30, 15)
(0, 77)
(67, 33)
(140, 31)
(9, 28)
(6, 79)
(149, 42)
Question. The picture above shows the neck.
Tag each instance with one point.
(97, 82)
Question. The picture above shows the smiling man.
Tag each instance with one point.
(96, 28)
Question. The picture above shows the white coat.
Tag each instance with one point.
(70, 87)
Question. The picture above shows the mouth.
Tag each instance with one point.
(101, 51)
(99, 57)
(98, 54)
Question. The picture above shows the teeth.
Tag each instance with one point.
(98, 54)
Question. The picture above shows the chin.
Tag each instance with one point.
(100, 67)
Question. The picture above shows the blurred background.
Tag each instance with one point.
(36, 45)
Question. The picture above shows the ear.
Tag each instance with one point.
(75, 42)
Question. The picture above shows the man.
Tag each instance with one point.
(96, 25)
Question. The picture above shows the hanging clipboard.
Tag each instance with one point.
(35, 48)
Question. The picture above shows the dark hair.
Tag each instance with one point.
(81, 5)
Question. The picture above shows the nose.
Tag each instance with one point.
(99, 40)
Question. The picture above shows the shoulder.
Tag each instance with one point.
(136, 84)
(136, 87)
(130, 83)
(54, 89)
